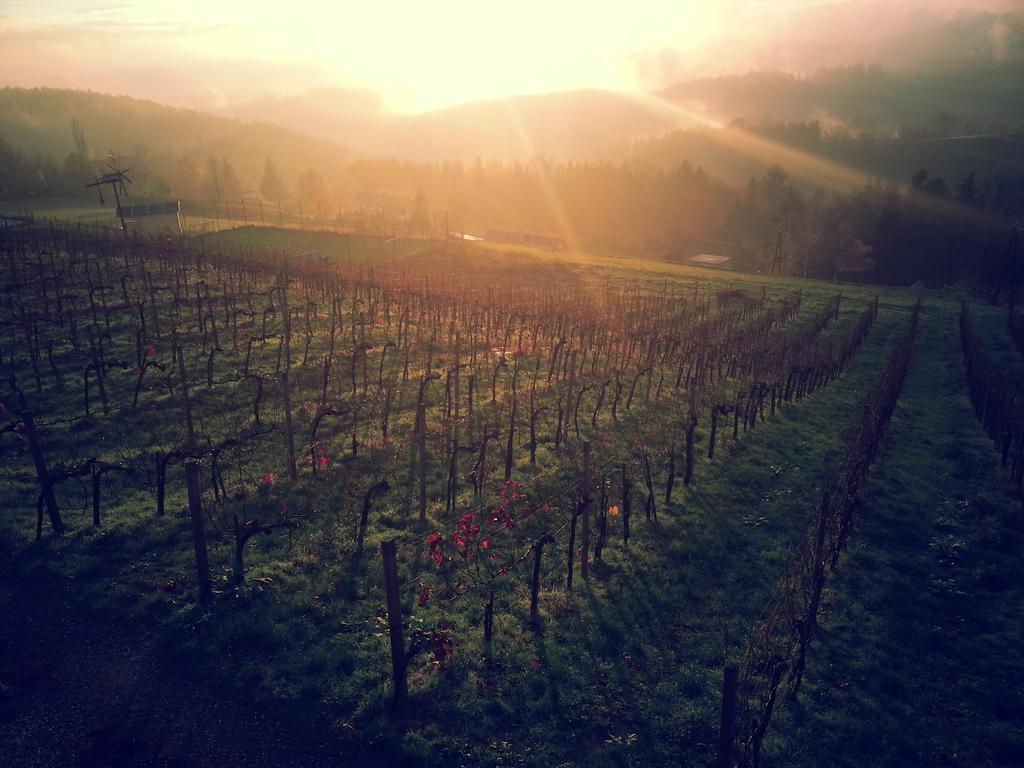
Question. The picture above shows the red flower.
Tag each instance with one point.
(436, 542)
(442, 649)
(151, 352)
(424, 597)
(486, 543)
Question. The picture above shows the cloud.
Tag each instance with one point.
(807, 37)
(135, 61)
(212, 55)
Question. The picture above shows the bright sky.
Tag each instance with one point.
(417, 55)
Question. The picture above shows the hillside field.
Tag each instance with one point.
(475, 405)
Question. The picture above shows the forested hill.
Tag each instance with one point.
(741, 184)
(808, 149)
(600, 125)
(985, 98)
(876, 122)
(37, 122)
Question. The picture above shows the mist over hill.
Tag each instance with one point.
(910, 71)
(731, 159)
(595, 124)
(585, 124)
(37, 122)
(877, 123)
(974, 99)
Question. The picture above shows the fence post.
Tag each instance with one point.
(195, 510)
(394, 603)
(726, 733)
(714, 430)
(585, 554)
(627, 502)
(421, 459)
(489, 623)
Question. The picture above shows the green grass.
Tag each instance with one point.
(76, 209)
(990, 324)
(917, 662)
(628, 669)
(338, 247)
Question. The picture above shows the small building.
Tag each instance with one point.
(710, 260)
(509, 237)
(714, 254)
(317, 257)
(162, 218)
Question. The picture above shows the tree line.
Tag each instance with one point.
(929, 229)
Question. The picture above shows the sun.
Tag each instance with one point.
(417, 56)
(422, 56)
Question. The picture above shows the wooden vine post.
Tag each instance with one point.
(627, 502)
(394, 604)
(489, 624)
(286, 385)
(585, 503)
(421, 460)
(714, 431)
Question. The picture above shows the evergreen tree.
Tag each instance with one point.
(967, 190)
(230, 187)
(213, 188)
(78, 168)
(272, 188)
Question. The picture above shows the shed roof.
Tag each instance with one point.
(709, 259)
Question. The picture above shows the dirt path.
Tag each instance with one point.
(77, 690)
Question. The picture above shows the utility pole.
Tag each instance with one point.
(777, 258)
(116, 179)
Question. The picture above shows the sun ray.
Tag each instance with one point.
(566, 229)
(807, 166)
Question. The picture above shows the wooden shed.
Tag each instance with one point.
(153, 217)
